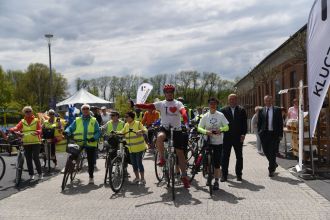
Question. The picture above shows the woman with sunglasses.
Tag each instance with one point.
(86, 128)
(136, 145)
(30, 128)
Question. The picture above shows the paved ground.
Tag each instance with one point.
(257, 197)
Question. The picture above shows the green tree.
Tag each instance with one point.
(6, 89)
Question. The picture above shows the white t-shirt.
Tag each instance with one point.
(170, 113)
(214, 122)
(105, 118)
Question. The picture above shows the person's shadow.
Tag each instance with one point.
(218, 195)
(76, 187)
(131, 190)
(283, 179)
(244, 184)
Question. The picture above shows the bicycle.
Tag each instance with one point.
(74, 161)
(203, 160)
(48, 136)
(2, 167)
(15, 140)
(118, 165)
(168, 170)
(111, 145)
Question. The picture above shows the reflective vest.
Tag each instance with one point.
(53, 125)
(79, 132)
(28, 130)
(120, 126)
(135, 143)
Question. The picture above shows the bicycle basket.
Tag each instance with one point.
(113, 141)
(73, 149)
(48, 133)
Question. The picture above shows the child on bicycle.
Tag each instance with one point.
(134, 131)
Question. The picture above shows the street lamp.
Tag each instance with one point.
(51, 104)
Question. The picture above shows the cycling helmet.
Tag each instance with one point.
(169, 88)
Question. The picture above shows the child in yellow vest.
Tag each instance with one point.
(136, 145)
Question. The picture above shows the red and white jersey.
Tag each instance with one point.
(170, 113)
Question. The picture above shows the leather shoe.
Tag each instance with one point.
(239, 178)
(271, 174)
(223, 179)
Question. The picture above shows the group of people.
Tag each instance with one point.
(226, 129)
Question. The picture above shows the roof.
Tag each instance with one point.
(81, 97)
(302, 29)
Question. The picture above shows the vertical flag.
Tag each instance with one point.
(318, 58)
(143, 93)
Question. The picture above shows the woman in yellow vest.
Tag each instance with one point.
(114, 124)
(55, 124)
(86, 128)
(136, 145)
(30, 127)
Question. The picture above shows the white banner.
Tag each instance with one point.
(318, 58)
(143, 93)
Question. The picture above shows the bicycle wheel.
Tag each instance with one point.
(67, 172)
(107, 167)
(116, 174)
(192, 167)
(172, 176)
(2, 167)
(75, 169)
(19, 168)
(210, 173)
(48, 155)
(159, 171)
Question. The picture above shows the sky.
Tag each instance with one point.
(146, 37)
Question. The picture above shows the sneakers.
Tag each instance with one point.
(223, 179)
(40, 176)
(136, 181)
(216, 185)
(91, 181)
(161, 162)
(185, 182)
(31, 177)
(142, 182)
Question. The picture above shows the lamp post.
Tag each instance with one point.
(51, 104)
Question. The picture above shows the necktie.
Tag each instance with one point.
(267, 117)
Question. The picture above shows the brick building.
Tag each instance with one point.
(281, 69)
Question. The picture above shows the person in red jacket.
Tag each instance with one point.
(30, 128)
(171, 111)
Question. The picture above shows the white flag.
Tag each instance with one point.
(318, 58)
(143, 93)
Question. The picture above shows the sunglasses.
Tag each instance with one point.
(28, 111)
(113, 115)
(85, 109)
(169, 92)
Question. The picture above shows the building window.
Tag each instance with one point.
(278, 87)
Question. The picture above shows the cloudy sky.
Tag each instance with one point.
(115, 37)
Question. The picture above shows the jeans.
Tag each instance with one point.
(136, 161)
(31, 152)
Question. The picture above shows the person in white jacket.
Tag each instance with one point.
(254, 128)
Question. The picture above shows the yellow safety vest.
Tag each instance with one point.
(53, 125)
(120, 126)
(28, 130)
(135, 143)
(79, 132)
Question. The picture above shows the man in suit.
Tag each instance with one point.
(270, 128)
(237, 119)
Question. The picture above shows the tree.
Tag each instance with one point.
(6, 89)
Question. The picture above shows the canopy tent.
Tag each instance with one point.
(81, 97)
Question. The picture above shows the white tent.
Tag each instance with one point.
(81, 97)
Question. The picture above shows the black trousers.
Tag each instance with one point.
(31, 152)
(238, 148)
(269, 143)
(91, 152)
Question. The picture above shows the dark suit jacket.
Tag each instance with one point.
(277, 121)
(237, 125)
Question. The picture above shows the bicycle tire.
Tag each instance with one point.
(19, 169)
(107, 167)
(192, 167)
(210, 173)
(2, 167)
(74, 171)
(67, 172)
(116, 173)
(48, 155)
(172, 169)
(159, 171)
